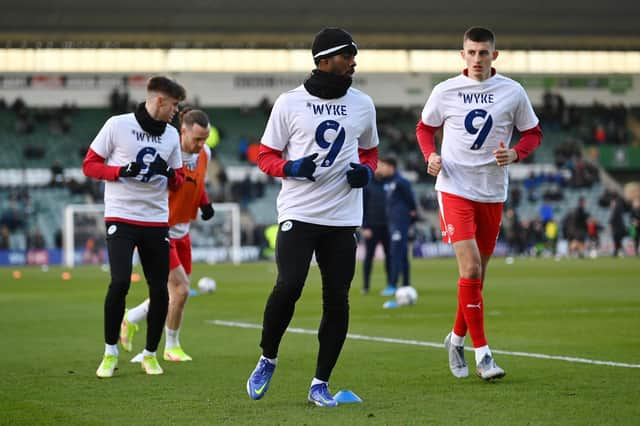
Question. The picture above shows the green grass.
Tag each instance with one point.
(51, 334)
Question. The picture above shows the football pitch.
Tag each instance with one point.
(567, 333)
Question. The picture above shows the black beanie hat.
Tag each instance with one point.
(332, 41)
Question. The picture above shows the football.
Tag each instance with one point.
(406, 296)
(206, 285)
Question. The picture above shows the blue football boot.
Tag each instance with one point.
(258, 383)
(319, 395)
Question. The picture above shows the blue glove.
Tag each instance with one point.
(160, 167)
(303, 167)
(359, 175)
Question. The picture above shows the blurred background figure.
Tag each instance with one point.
(617, 225)
(574, 227)
(635, 224)
(592, 243)
(375, 229)
(512, 231)
(551, 236)
(401, 213)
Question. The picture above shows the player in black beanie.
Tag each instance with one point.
(330, 42)
(331, 79)
(321, 138)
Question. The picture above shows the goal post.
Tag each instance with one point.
(217, 240)
(72, 236)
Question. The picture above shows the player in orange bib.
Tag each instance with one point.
(183, 208)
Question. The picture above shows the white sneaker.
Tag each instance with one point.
(457, 364)
(487, 369)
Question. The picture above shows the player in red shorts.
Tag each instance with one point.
(183, 207)
(478, 111)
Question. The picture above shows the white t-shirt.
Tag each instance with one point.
(477, 116)
(143, 198)
(302, 124)
(189, 161)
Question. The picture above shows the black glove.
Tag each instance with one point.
(359, 176)
(130, 170)
(160, 167)
(207, 211)
(303, 167)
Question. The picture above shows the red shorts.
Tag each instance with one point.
(462, 219)
(180, 253)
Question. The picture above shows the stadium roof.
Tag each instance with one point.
(543, 24)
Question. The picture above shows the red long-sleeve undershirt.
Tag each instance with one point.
(271, 162)
(204, 198)
(369, 157)
(530, 139)
(426, 139)
(94, 167)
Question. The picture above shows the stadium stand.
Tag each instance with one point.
(562, 165)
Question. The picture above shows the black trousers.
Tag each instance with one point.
(335, 249)
(380, 234)
(153, 248)
(399, 259)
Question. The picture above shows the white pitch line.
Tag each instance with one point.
(432, 344)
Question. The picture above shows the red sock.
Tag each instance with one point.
(460, 325)
(470, 302)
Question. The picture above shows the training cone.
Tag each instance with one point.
(346, 397)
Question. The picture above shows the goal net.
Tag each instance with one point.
(213, 241)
